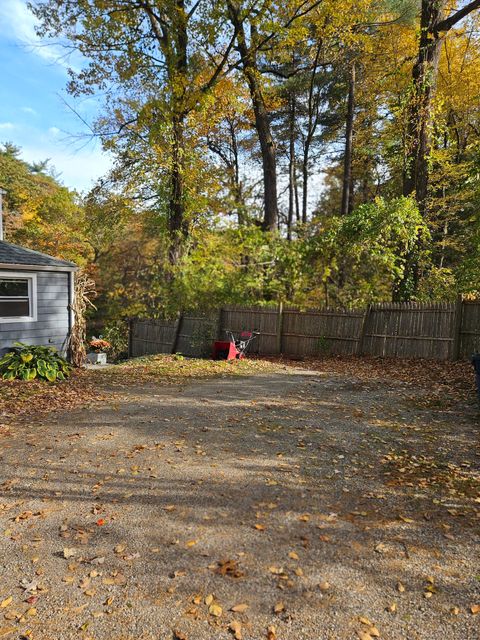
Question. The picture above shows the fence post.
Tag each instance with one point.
(363, 330)
(457, 328)
(176, 335)
(130, 337)
(279, 328)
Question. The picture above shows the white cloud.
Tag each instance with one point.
(18, 24)
(7, 126)
(29, 110)
(54, 131)
(77, 169)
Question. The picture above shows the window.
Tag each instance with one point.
(17, 297)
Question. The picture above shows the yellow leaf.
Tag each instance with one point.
(305, 517)
(293, 555)
(275, 570)
(365, 621)
(191, 543)
(239, 608)
(69, 552)
(363, 635)
(209, 599)
(6, 602)
(400, 587)
(279, 607)
(215, 610)
(259, 527)
(474, 609)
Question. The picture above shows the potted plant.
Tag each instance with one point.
(98, 350)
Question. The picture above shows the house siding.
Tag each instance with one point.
(52, 325)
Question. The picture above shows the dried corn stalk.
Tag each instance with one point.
(84, 291)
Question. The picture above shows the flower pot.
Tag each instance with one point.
(97, 358)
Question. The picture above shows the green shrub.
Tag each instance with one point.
(27, 362)
(116, 333)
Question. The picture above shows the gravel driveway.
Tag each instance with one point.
(285, 506)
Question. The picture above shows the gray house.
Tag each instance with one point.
(36, 291)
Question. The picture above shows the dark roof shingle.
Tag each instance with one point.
(13, 254)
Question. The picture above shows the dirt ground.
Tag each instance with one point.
(289, 505)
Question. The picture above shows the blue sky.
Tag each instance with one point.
(33, 113)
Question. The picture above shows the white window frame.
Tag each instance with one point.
(32, 296)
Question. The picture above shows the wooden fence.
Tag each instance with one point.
(438, 331)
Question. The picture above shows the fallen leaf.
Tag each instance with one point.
(69, 552)
(191, 543)
(400, 587)
(208, 599)
(279, 607)
(293, 555)
(474, 609)
(363, 635)
(215, 610)
(259, 527)
(236, 628)
(239, 608)
(271, 633)
(6, 602)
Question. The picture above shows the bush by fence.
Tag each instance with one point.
(438, 331)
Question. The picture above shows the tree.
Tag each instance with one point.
(434, 26)
(142, 56)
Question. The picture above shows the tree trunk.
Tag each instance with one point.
(305, 183)
(262, 120)
(177, 63)
(418, 140)
(347, 191)
(291, 167)
(177, 226)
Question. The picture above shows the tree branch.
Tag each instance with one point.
(451, 21)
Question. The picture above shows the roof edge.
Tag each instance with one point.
(36, 267)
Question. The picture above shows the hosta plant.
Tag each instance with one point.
(27, 362)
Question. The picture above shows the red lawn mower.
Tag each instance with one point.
(236, 346)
